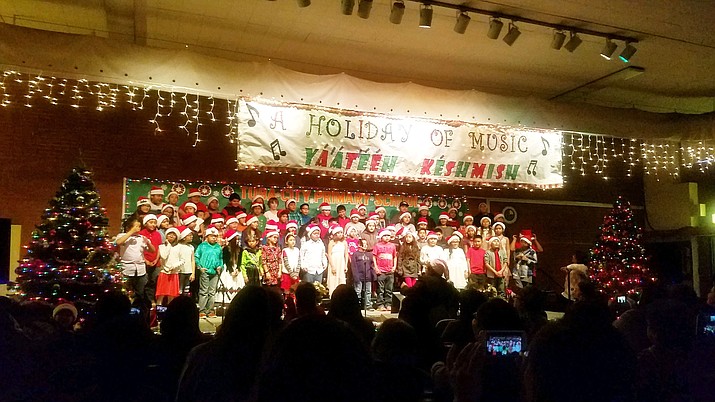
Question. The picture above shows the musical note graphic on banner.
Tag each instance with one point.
(546, 145)
(277, 145)
(252, 120)
(531, 169)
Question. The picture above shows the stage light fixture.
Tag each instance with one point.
(627, 53)
(425, 16)
(398, 10)
(495, 26)
(512, 34)
(303, 3)
(346, 7)
(558, 40)
(462, 23)
(608, 48)
(364, 7)
(573, 43)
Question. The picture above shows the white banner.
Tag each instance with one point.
(345, 143)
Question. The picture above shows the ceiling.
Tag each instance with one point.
(676, 47)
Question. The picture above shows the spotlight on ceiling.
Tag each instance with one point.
(573, 43)
(512, 34)
(495, 26)
(608, 48)
(558, 40)
(398, 10)
(460, 26)
(303, 3)
(364, 7)
(346, 7)
(425, 16)
(627, 53)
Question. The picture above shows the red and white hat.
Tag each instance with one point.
(483, 218)
(212, 198)
(407, 214)
(230, 234)
(216, 218)
(525, 240)
(194, 192)
(391, 228)
(231, 220)
(167, 206)
(432, 235)
(380, 208)
(250, 219)
(292, 224)
(257, 205)
(172, 192)
(422, 221)
(271, 225)
(174, 231)
(324, 206)
(503, 226)
(270, 233)
(467, 216)
(156, 191)
(373, 216)
(361, 206)
(458, 234)
(312, 228)
(472, 227)
(443, 216)
(283, 212)
(423, 207)
(289, 200)
(184, 231)
(190, 205)
(454, 237)
(401, 232)
(499, 216)
(453, 209)
(385, 232)
(211, 230)
(199, 221)
(160, 219)
(147, 218)
(258, 197)
(336, 229)
(241, 215)
(143, 201)
(188, 219)
(354, 213)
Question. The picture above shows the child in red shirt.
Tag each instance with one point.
(384, 255)
(475, 260)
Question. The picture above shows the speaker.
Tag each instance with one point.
(5, 229)
(396, 302)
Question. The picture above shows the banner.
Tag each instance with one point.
(345, 143)
(135, 188)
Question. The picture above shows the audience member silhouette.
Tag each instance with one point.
(345, 306)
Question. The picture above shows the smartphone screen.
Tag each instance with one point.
(621, 299)
(707, 324)
(505, 343)
(134, 311)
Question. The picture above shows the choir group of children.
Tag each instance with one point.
(165, 247)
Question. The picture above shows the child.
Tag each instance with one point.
(167, 285)
(431, 251)
(467, 221)
(212, 206)
(209, 260)
(217, 221)
(234, 206)
(406, 222)
(132, 246)
(231, 275)
(364, 272)
(170, 212)
(324, 220)
(381, 218)
(385, 260)
(422, 237)
(362, 210)
(194, 200)
(257, 211)
(313, 260)
(143, 208)
(408, 261)
(423, 212)
(342, 216)
(485, 231)
(498, 230)
(497, 266)
(305, 217)
(337, 258)
(447, 230)
(185, 251)
(353, 241)
(355, 223)
(453, 220)
(525, 259)
(151, 258)
(250, 260)
(251, 230)
(173, 198)
(291, 264)
(291, 228)
(272, 212)
(370, 234)
(456, 262)
(162, 223)
(470, 233)
(270, 262)
(475, 260)
(291, 206)
(282, 224)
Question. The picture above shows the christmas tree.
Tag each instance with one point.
(69, 257)
(618, 260)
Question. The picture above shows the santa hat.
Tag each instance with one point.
(160, 219)
(525, 240)
(432, 235)
(499, 216)
(257, 205)
(391, 228)
(231, 220)
(494, 239)
(483, 218)
(172, 192)
(453, 209)
(407, 214)
(156, 191)
(283, 212)
(324, 206)
(385, 232)
(380, 208)
(292, 224)
(361, 206)
(250, 219)
(216, 218)
(471, 226)
(454, 237)
(184, 231)
(187, 219)
(212, 198)
(230, 234)
(199, 221)
(458, 234)
(443, 216)
(241, 215)
(201, 207)
(401, 232)
(272, 225)
(211, 230)
(503, 226)
(143, 201)
(190, 205)
(174, 231)
(270, 233)
(167, 206)
(312, 228)
(194, 192)
(467, 216)
(65, 306)
(336, 229)
(422, 221)
(354, 213)
(423, 207)
(147, 218)
(256, 198)
(289, 200)
(373, 216)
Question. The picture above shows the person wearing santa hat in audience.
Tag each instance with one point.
(431, 251)
(212, 206)
(195, 198)
(153, 263)
(444, 226)
(324, 220)
(156, 200)
(251, 231)
(385, 260)
(313, 260)
(185, 251)
(209, 261)
(337, 258)
(456, 261)
(234, 206)
(423, 212)
(355, 223)
(257, 211)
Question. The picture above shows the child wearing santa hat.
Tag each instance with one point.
(194, 198)
(153, 263)
(355, 223)
(230, 277)
(456, 262)
(156, 200)
(431, 251)
(313, 260)
(337, 258)
(385, 260)
(271, 261)
(185, 251)
(209, 261)
(525, 259)
(167, 285)
(324, 219)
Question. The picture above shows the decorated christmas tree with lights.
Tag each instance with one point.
(618, 261)
(69, 257)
